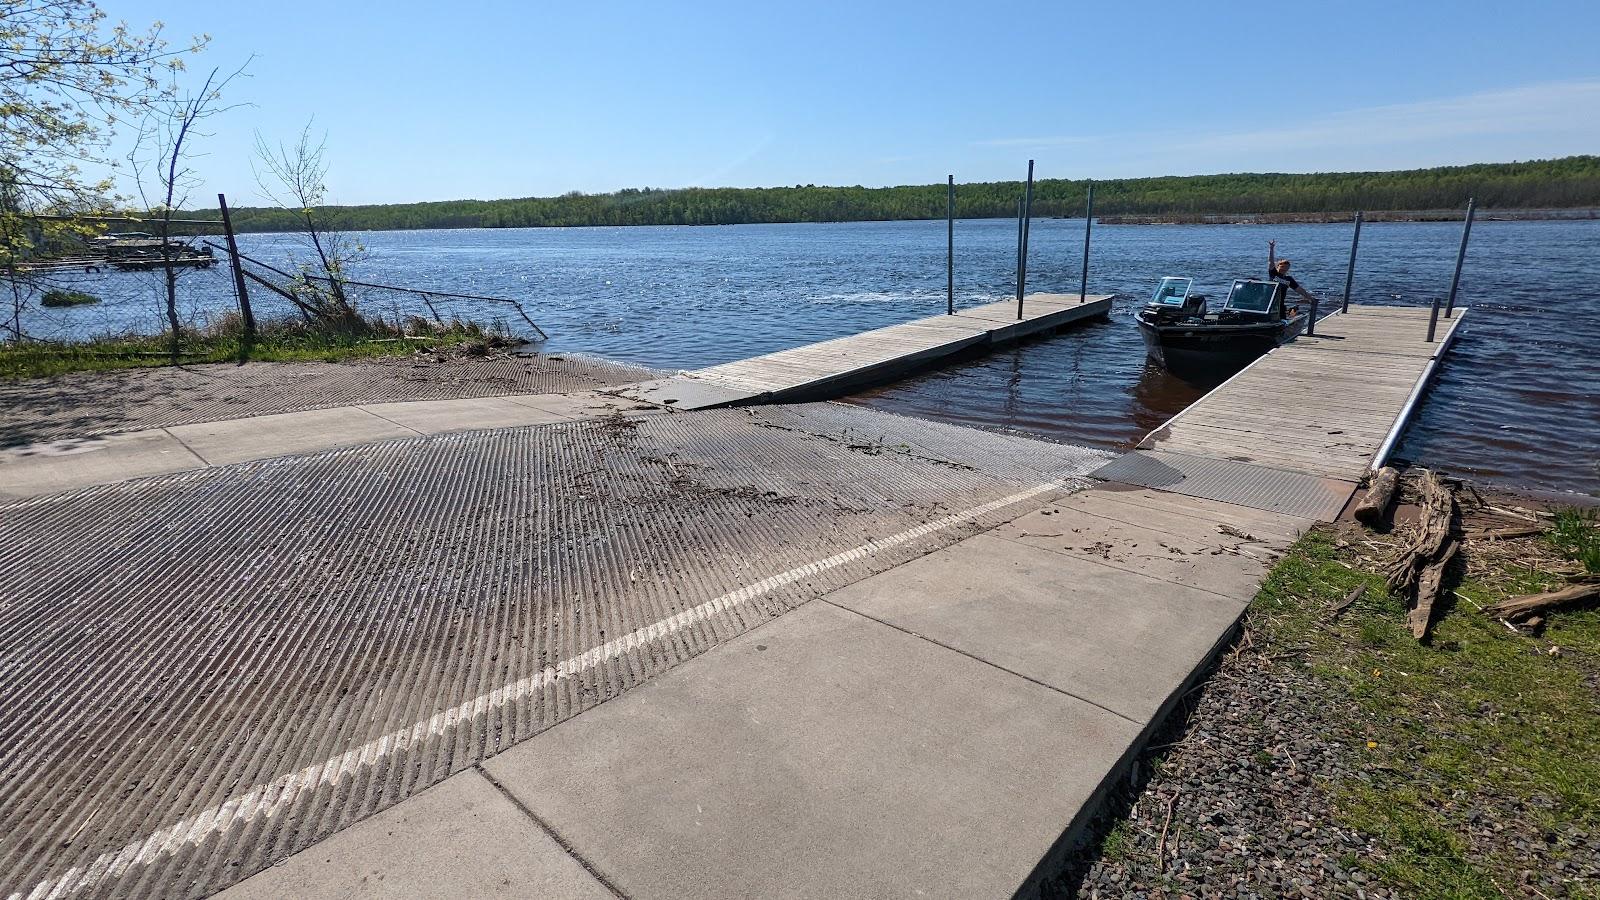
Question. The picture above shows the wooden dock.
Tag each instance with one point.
(1298, 429)
(830, 368)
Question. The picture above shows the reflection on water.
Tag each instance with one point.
(1088, 385)
(1518, 402)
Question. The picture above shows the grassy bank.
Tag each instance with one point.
(1331, 754)
(278, 341)
(1482, 750)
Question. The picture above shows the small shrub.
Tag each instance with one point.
(68, 298)
(1577, 535)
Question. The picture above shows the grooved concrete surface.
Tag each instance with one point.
(1231, 481)
(208, 671)
(90, 403)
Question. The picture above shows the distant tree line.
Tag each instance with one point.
(1559, 183)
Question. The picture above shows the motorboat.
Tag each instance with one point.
(1181, 333)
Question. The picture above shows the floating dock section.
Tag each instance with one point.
(1296, 431)
(831, 368)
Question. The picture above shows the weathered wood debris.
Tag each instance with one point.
(1374, 506)
(1529, 609)
(1420, 568)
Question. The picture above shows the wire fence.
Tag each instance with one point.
(442, 306)
(133, 302)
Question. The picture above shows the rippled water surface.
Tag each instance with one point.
(1518, 403)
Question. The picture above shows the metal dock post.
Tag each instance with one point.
(1350, 273)
(1022, 240)
(1088, 222)
(950, 249)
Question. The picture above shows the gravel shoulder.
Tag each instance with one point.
(1329, 754)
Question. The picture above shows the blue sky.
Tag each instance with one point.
(435, 101)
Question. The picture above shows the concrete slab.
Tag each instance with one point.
(1195, 518)
(1220, 563)
(822, 755)
(586, 404)
(62, 465)
(438, 416)
(1117, 639)
(685, 392)
(240, 440)
(459, 839)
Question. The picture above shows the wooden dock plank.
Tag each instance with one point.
(1323, 405)
(836, 364)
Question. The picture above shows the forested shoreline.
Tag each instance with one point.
(1571, 182)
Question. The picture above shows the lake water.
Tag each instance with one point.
(1518, 403)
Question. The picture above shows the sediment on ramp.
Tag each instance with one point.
(90, 403)
(211, 670)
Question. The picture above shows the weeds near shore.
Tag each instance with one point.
(283, 340)
(1576, 535)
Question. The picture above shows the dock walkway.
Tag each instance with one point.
(830, 368)
(1298, 429)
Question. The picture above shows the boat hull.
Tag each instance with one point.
(1206, 348)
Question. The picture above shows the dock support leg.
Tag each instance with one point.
(1088, 223)
(1350, 273)
(1019, 257)
(1022, 241)
(950, 249)
(1461, 257)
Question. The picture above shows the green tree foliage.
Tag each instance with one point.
(67, 79)
(1561, 183)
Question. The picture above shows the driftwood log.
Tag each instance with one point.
(1529, 606)
(1429, 584)
(1421, 565)
(1374, 505)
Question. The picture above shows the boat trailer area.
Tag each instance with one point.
(676, 639)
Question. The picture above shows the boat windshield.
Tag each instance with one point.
(1172, 291)
(1251, 296)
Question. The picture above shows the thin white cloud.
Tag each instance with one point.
(1569, 106)
(1528, 122)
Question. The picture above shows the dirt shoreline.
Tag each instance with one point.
(89, 403)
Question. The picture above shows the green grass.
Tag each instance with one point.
(1119, 841)
(281, 341)
(1576, 535)
(1478, 718)
(67, 298)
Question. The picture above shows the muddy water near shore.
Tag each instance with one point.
(1518, 402)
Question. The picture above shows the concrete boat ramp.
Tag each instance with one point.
(774, 650)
